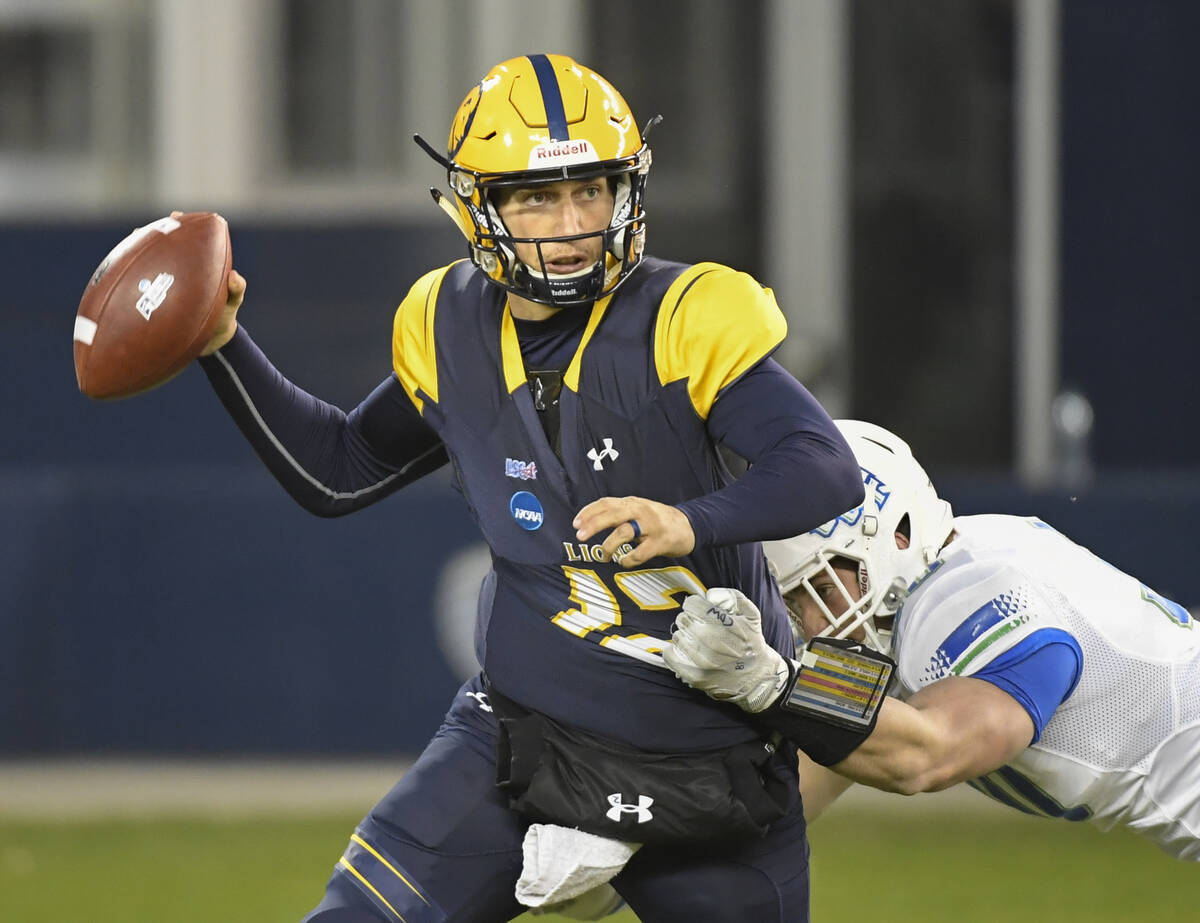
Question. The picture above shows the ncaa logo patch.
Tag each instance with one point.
(526, 509)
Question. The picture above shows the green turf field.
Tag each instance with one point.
(899, 867)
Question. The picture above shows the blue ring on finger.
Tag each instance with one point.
(637, 530)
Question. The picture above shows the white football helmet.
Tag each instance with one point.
(899, 498)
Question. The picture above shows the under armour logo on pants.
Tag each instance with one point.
(619, 807)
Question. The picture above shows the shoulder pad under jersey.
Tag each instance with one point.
(714, 324)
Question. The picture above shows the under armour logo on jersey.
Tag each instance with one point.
(481, 699)
(619, 807)
(607, 452)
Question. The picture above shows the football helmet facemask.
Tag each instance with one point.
(545, 118)
(898, 491)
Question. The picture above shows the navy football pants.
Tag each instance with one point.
(442, 845)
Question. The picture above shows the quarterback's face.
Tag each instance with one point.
(836, 588)
(561, 209)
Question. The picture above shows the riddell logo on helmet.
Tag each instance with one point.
(562, 153)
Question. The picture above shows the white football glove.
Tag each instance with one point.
(718, 647)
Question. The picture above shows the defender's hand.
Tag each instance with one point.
(718, 647)
(652, 529)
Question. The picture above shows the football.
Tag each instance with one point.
(152, 304)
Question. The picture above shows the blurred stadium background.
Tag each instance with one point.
(979, 215)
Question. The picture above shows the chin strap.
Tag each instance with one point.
(583, 286)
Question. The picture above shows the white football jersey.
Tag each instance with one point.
(1124, 747)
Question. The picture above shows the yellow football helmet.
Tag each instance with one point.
(544, 118)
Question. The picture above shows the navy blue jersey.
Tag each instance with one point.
(578, 639)
(675, 363)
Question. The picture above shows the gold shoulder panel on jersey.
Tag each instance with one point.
(414, 353)
(510, 352)
(571, 376)
(714, 323)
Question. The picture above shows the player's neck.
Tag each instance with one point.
(524, 309)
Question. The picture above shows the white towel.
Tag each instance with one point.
(561, 863)
(596, 904)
